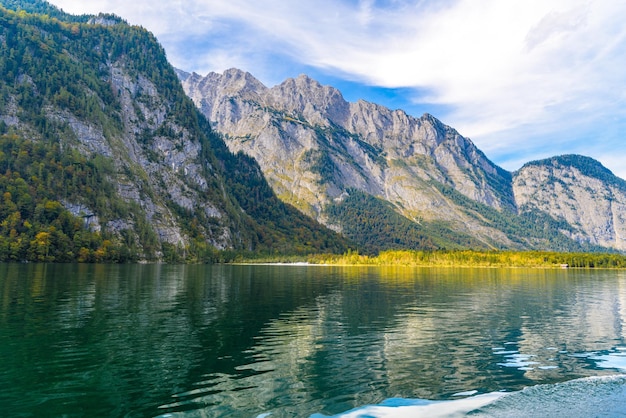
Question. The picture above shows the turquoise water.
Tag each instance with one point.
(291, 341)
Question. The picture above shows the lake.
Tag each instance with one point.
(310, 341)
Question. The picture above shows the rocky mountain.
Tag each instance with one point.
(313, 146)
(579, 191)
(316, 149)
(104, 157)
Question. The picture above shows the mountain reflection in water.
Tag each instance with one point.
(147, 340)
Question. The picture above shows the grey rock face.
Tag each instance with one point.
(165, 167)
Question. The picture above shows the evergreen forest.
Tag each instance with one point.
(55, 74)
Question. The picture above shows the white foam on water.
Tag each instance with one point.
(592, 396)
(518, 361)
(468, 393)
(615, 359)
(417, 408)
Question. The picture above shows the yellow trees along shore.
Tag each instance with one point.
(471, 258)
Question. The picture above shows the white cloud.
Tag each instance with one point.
(511, 73)
(555, 24)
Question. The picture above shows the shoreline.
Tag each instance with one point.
(456, 259)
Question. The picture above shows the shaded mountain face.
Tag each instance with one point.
(316, 149)
(93, 118)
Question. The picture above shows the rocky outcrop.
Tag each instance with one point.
(167, 164)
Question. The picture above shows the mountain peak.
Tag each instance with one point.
(239, 81)
(237, 74)
(183, 75)
(232, 82)
(304, 78)
(308, 87)
(586, 165)
(315, 148)
(305, 96)
(362, 145)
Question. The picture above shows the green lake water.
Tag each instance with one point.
(297, 341)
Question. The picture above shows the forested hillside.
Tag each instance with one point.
(104, 158)
(375, 226)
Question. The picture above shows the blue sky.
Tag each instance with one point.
(524, 80)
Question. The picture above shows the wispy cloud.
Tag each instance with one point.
(521, 78)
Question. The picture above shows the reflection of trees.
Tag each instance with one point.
(96, 338)
(126, 338)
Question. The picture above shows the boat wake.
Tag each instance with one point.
(586, 397)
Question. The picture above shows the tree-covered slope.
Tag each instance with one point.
(374, 225)
(99, 140)
(43, 8)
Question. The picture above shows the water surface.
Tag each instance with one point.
(244, 341)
